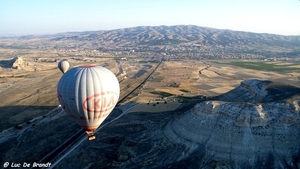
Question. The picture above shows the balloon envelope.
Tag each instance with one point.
(63, 65)
(88, 94)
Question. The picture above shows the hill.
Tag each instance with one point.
(183, 35)
(183, 39)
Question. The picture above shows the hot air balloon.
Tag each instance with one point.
(88, 94)
(63, 65)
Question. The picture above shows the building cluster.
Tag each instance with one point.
(172, 51)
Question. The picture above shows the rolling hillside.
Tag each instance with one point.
(163, 35)
(162, 38)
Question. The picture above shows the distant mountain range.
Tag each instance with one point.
(181, 34)
(178, 36)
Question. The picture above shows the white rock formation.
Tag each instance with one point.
(242, 133)
(17, 63)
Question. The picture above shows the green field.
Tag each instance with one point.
(270, 66)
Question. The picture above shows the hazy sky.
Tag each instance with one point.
(24, 17)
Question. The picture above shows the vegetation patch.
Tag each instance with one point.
(139, 74)
(261, 66)
(157, 79)
(184, 99)
(161, 94)
(174, 84)
(148, 61)
(185, 91)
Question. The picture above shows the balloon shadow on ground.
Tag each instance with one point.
(36, 134)
(14, 115)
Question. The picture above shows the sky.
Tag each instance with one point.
(37, 17)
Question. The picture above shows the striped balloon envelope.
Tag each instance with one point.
(88, 94)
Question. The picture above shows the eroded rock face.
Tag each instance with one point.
(17, 63)
(256, 125)
(243, 134)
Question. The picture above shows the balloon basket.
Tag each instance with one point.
(91, 137)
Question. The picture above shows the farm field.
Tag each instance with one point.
(261, 65)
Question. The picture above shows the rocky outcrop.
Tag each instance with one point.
(259, 91)
(243, 134)
(17, 63)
